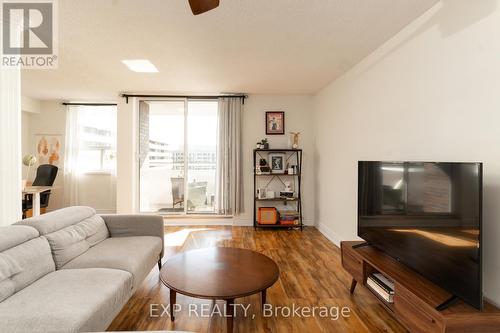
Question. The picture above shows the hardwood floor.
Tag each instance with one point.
(310, 275)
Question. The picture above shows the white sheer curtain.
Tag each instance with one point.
(229, 187)
(10, 145)
(72, 148)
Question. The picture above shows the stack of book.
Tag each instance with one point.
(382, 286)
(289, 217)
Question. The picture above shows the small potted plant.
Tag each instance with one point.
(264, 144)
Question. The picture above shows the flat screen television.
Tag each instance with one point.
(427, 215)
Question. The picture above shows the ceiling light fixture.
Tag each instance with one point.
(140, 66)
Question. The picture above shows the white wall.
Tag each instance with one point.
(30, 105)
(430, 93)
(25, 141)
(10, 145)
(298, 118)
(95, 189)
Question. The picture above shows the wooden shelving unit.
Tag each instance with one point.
(291, 155)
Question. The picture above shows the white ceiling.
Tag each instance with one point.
(251, 46)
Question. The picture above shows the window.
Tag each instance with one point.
(96, 138)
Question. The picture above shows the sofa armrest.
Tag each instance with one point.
(135, 225)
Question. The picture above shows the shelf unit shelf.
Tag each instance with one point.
(279, 226)
(294, 154)
(275, 174)
(277, 199)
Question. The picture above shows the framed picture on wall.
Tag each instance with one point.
(48, 148)
(275, 123)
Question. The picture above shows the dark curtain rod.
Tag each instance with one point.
(127, 96)
(90, 104)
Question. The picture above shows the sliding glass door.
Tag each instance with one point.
(178, 156)
(202, 156)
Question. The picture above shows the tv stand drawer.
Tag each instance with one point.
(353, 264)
(414, 314)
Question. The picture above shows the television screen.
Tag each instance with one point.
(427, 215)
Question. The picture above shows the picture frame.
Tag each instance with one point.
(49, 149)
(275, 123)
(277, 162)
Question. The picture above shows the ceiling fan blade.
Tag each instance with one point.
(202, 6)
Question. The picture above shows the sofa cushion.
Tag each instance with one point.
(23, 258)
(137, 255)
(75, 300)
(33, 260)
(58, 219)
(8, 267)
(14, 235)
(7, 289)
(70, 242)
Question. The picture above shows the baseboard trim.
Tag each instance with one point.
(329, 233)
(489, 300)
(170, 222)
(235, 221)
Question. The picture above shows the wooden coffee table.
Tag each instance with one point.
(219, 274)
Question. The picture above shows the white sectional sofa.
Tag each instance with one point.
(73, 270)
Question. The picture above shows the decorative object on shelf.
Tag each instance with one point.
(275, 123)
(288, 191)
(29, 161)
(261, 193)
(268, 215)
(264, 144)
(262, 168)
(291, 170)
(295, 139)
(269, 194)
(277, 162)
(286, 194)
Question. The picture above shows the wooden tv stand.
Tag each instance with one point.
(416, 298)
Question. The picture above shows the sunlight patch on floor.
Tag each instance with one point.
(178, 238)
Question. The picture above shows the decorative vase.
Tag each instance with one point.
(295, 139)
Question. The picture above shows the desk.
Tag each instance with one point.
(35, 191)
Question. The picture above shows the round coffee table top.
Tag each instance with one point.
(219, 273)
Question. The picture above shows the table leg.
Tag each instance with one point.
(264, 298)
(173, 295)
(229, 315)
(36, 204)
(353, 286)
